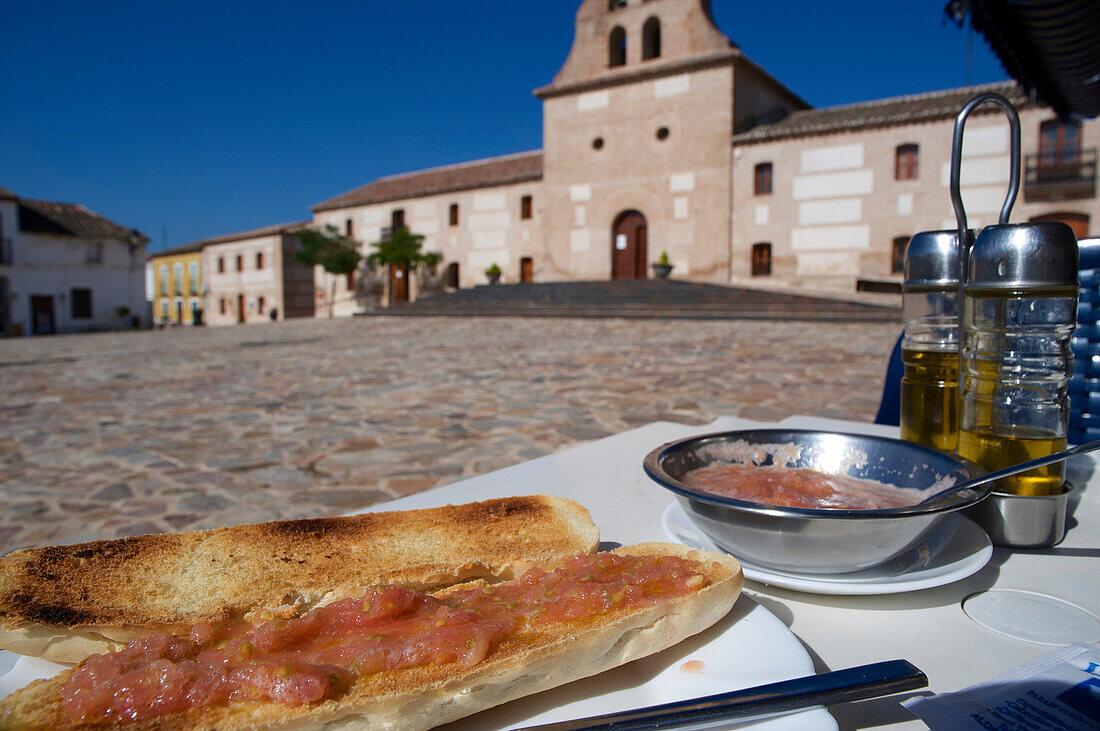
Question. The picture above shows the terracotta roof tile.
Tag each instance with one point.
(879, 113)
(71, 219)
(6, 194)
(518, 168)
(279, 228)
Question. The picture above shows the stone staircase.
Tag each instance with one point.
(638, 298)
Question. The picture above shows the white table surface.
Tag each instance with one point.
(927, 627)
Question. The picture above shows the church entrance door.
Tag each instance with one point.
(628, 246)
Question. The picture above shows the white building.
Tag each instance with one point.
(66, 269)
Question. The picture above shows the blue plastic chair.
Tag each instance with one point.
(1084, 385)
(889, 409)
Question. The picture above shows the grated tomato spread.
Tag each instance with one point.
(799, 487)
(321, 653)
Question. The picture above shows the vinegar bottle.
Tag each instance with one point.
(930, 345)
(1019, 313)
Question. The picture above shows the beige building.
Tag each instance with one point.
(252, 277)
(660, 135)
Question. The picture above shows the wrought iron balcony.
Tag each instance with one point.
(1059, 176)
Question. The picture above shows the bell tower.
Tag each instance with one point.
(615, 36)
(637, 152)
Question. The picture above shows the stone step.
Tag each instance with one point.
(637, 299)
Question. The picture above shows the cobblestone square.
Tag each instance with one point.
(117, 434)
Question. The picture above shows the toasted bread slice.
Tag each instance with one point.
(66, 602)
(532, 660)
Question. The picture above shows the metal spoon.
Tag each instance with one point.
(1016, 469)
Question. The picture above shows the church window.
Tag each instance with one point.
(454, 214)
(617, 47)
(906, 162)
(761, 260)
(897, 254)
(597, 144)
(662, 133)
(525, 207)
(762, 179)
(651, 39)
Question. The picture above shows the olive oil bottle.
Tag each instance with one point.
(930, 348)
(1019, 313)
(930, 398)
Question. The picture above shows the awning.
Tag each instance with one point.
(1052, 47)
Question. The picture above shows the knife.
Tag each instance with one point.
(853, 684)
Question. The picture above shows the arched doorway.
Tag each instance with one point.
(450, 275)
(1079, 222)
(628, 246)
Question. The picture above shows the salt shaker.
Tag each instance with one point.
(930, 345)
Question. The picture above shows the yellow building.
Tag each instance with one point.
(178, 286)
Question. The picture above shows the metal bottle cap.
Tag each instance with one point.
(932, 260)
(1024, 255)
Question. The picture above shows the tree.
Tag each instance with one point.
(329, 249)
(400, 248)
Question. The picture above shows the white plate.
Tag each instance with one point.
(749, 647)
(955, 549)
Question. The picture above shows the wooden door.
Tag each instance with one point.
(762, 260)
(42, 322)
(450, 277)
(628, 246)
(399, 283)
(526, 269)
(5, 305)
(240, 308)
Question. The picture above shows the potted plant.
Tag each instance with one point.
(493, 273)
(662, 267)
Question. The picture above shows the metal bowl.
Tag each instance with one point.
(815, 540)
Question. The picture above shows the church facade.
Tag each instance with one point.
(661, 137)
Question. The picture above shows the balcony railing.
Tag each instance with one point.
(1059, 176)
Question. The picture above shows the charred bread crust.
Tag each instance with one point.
(90, 597)
(425, 697)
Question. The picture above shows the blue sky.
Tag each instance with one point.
(190, 120)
